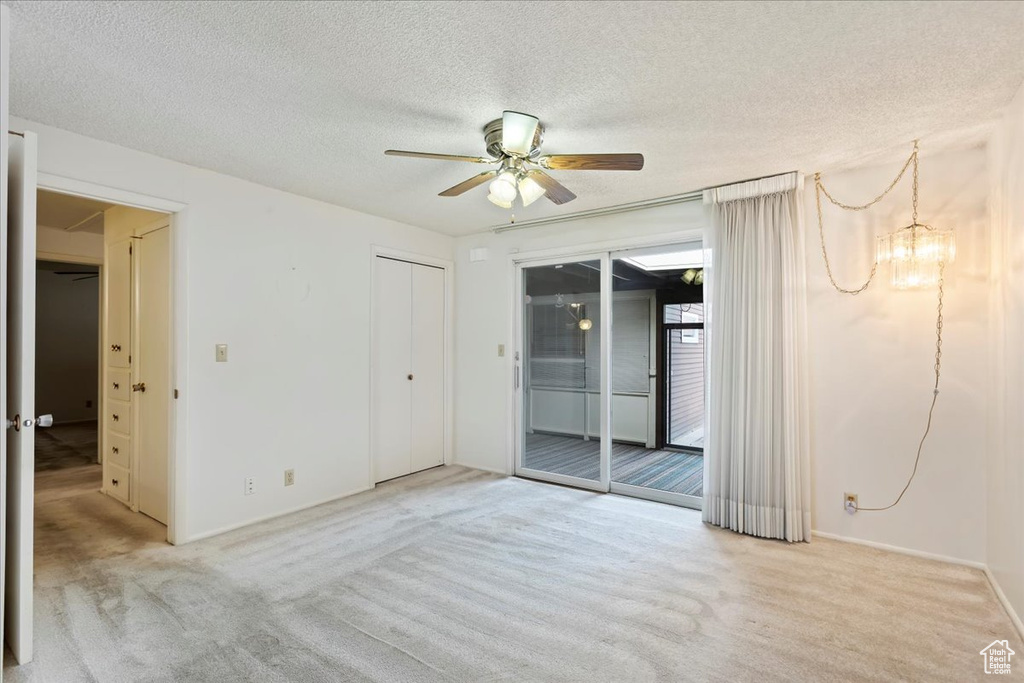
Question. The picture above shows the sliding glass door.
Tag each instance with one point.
(560, 373)
(610, 372)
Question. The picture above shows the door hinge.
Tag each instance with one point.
(129, 359)
(129, 249)
(175, 393)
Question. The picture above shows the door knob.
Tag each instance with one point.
(141, 386)
(41, 421)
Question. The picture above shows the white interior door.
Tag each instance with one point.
(427, 352)
(392, 395)
(152, 372)
(4, 416)
(21, 303)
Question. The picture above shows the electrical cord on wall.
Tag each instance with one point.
(931, 409)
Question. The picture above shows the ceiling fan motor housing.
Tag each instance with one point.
(492, 138)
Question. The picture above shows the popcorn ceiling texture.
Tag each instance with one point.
(305, 97)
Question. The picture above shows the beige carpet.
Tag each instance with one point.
(458, 575)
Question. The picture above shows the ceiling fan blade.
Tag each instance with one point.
(442, 157)
(467, 185)
(518, 132)
(592, 162)
(554, 190)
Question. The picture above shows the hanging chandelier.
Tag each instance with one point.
(916, 254)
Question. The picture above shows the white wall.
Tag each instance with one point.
(871, 363)
(1006, 445)
(67, 346)
(870, 366)
(284, 281)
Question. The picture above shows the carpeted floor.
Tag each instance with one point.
(66, 445)
(458, 575)
(673, 471)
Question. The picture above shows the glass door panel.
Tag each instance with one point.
(650, 290)
(561, 373)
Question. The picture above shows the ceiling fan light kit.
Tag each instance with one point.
(514, 141)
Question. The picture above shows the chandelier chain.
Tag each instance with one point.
(819, 189)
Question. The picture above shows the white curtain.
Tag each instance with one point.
(756, 459)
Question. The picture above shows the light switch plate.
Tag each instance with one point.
(501, 350)
(222, 353)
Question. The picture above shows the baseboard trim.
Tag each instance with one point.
(1010, 611)
(267, 518)
(903, 551)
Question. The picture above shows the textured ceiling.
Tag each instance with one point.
(306, 96)
(63, 211)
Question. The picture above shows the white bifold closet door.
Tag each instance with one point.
(409, 365)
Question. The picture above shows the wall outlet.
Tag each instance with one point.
(250, 486)
(850, 502)
(289, 477)
(88, 404)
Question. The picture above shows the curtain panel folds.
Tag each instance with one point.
(756, 456)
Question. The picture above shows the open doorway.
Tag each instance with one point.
(102, 362)
(67, 377)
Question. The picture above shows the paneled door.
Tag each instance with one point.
(152, 376)
(408, 368)
(5, 39)
(20, 417)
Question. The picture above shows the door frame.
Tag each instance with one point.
(606, 252)
(448, 267)
(176, 476)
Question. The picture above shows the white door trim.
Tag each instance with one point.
(177, 512)
(104, 193)
(449, 300)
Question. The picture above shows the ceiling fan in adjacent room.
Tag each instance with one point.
(513, 141)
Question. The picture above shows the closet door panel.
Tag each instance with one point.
(428, 353)
(392, 314)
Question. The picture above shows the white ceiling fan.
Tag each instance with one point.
(513, 141)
